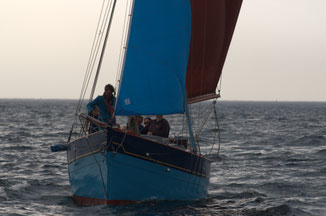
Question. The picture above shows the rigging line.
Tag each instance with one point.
(82, 127)
(123, 42)
(96, 50)
(87, 76)
(104, 22)
(86, 73)
(91, 54)
(218, 130)
(195, 140)
(185, 130)
(99, 166)
(97, 45)
(91, 57)
(98, 42)
(217, 126)
(186, 119)
(204, 117)
(103, 49)
(204, 55)
(123, 139)
(181, 132)
(192, 138)
(207, 115)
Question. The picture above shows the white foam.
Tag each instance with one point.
(19, 186)
(3, 192)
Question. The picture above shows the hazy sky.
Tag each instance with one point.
(278, 50)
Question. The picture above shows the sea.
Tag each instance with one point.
(271, 161)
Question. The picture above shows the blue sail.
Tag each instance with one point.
(153, 80)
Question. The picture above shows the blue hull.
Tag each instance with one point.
(112, 173)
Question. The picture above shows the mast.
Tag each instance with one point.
(103, 51)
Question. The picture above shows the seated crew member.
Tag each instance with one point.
(147, 120)
(158, 127)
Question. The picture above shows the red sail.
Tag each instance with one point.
(212, 27)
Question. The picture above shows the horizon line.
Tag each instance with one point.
(222, 100)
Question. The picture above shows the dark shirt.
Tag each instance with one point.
(157, 128)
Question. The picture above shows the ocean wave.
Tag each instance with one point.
(18, 147)
(321, 152)
(3, 192)
(283, 187)
(281, 210)
(241, 195)
(20, 186)
(13, 139)
(215, 157)
(311, 140)
(270, 164)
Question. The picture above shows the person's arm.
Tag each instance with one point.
(91, 104)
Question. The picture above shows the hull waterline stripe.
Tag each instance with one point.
(86, 201)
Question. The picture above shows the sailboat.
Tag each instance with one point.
(175, 52)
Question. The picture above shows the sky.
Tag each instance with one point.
(278, 51)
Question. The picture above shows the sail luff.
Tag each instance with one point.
(124, 57)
